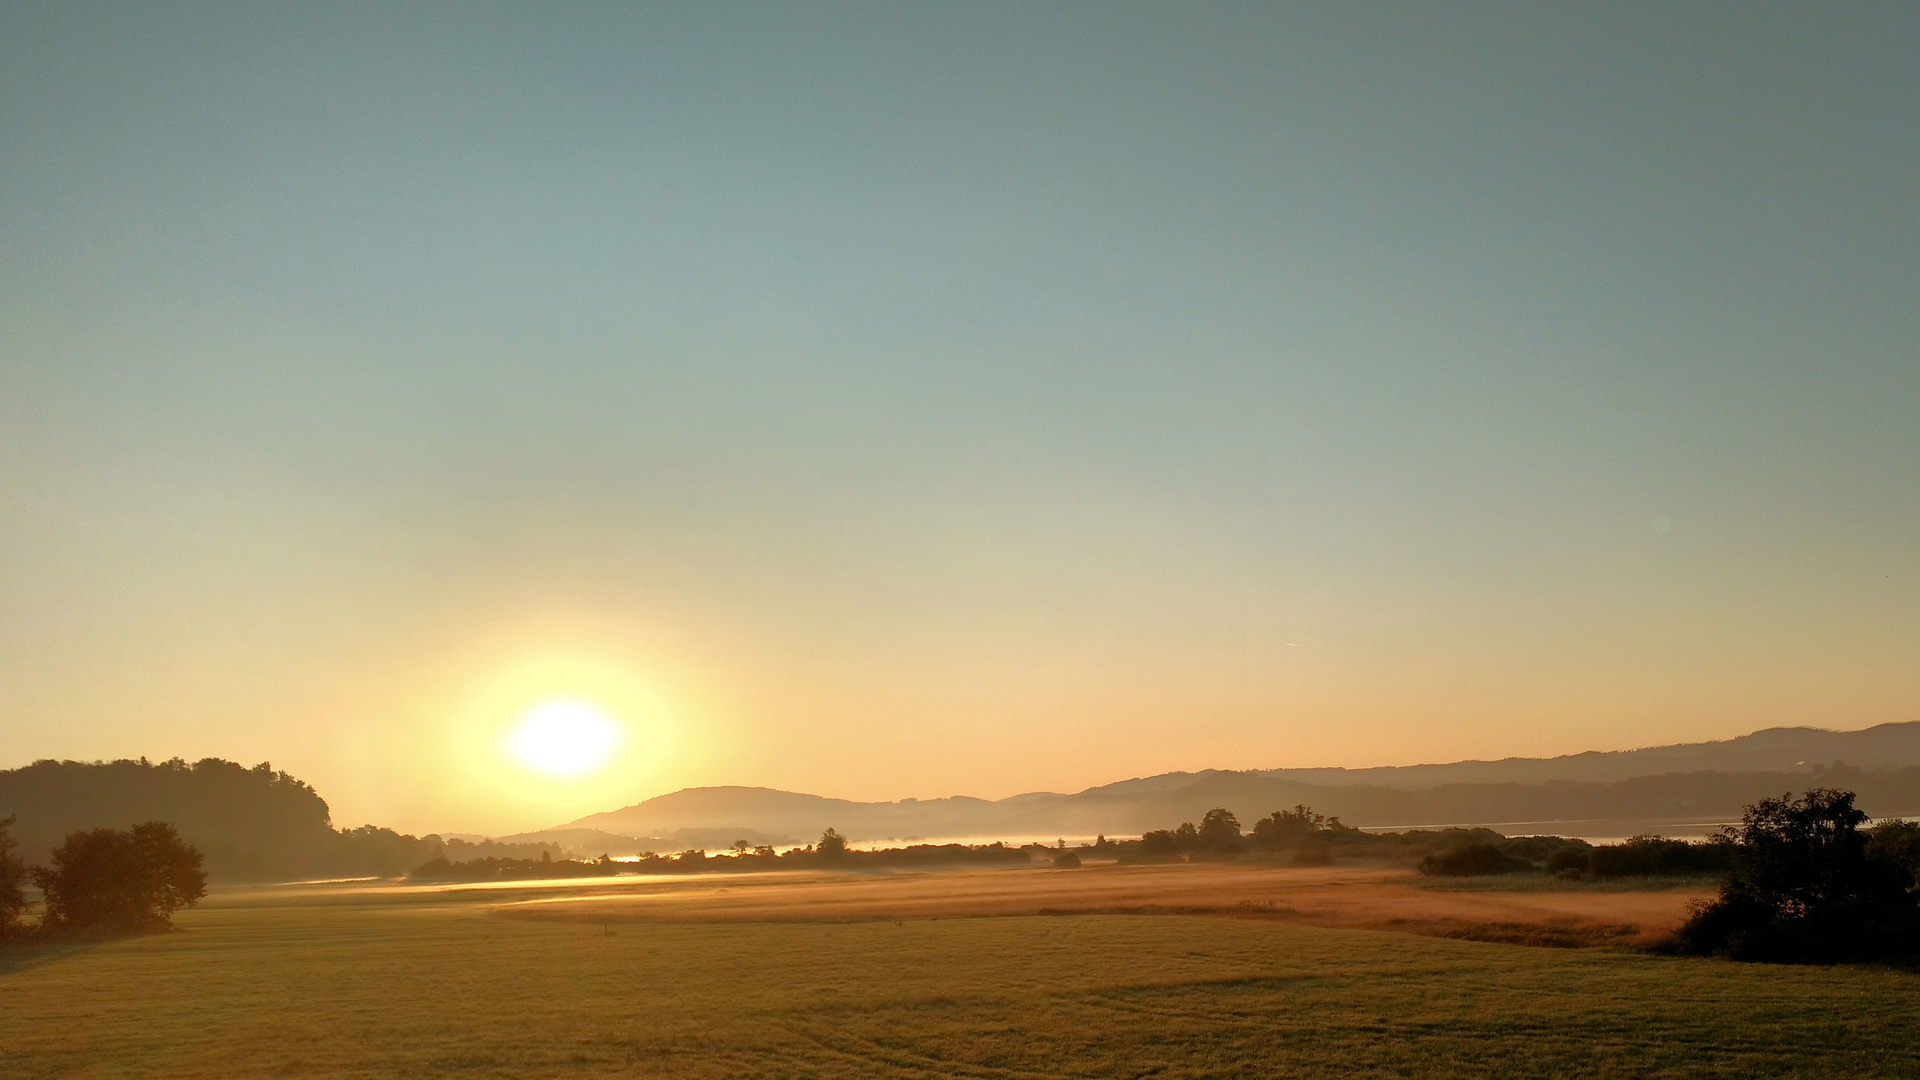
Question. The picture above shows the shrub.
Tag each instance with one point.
(1569, 858)
(1658, 856)
(123, 881)
(1473, 860)
(1897, 842)
(1067, 860)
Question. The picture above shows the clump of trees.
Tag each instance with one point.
(1218, 834)
(1659, 856)
(1308, 835)
(252, 823)
(490, 868)
(1808, 885)
(103, 880)
(832, 850)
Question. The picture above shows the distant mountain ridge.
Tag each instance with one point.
(1780, 749)
(1705, 781)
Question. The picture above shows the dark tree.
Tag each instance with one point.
(124, 881)
(1805, 888)
(1159, 842)
(1897, 842)
(1285, 828)
(1219, 829)
(832, 846)
(13, 880)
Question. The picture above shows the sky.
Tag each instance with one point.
(891, 401)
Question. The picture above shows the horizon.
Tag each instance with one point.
(499, 416)
(571, 823)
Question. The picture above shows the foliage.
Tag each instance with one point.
(1570, 860)
(1219, 830)
(1067, 860)
(13, 879)
(1806, 888)
(827, 853)
(1472, 860)
(832, 846)
(1659, 856)
(107, 879)
(497, 869)
(1897, 842)
(253, 822)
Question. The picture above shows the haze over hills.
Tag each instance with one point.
(1686, 782)
(261, 824)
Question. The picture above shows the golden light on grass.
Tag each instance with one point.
(565, 737)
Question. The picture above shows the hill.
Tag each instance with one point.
(1782, 750)
(1689, 782)
(252, 824)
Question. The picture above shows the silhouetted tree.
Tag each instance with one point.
(1285, 828)
(1160, 842)
(1804, 888)
(13, 879)
(832, 846)
(1219, 829)
(1897, 842)
(108, 879)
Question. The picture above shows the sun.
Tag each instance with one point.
(564, 737)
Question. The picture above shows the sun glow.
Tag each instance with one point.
(564, 737)
(545, 731)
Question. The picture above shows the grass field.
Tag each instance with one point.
(579, 981)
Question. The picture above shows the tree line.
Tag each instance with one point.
(101, 880)
(830, 851)
(251, 823)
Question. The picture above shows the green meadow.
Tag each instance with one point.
(432, 984)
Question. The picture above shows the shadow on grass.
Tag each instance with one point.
(35, 951)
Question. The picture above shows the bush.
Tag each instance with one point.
(1805, 888)
(123, 881)
(1539, 850)
(1473, 860)
(1897, 842)
(1569, 859)
(1067, 860)
(1657, 856)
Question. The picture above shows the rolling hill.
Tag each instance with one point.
(1708, 781)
